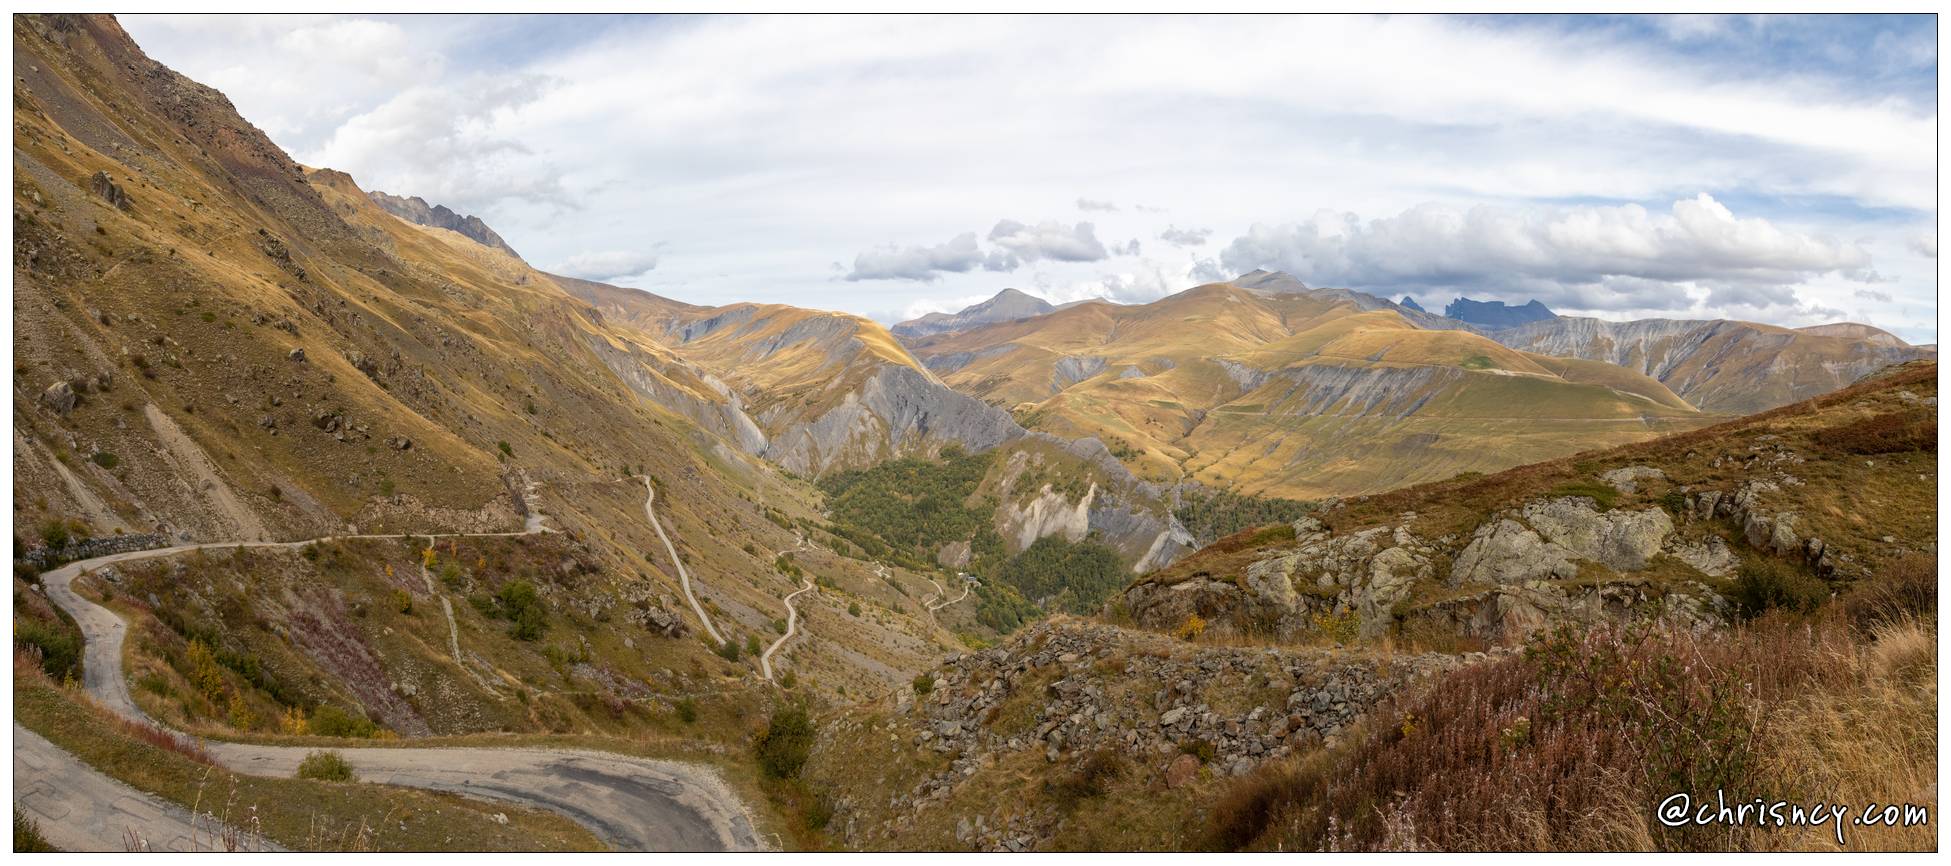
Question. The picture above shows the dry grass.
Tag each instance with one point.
(1571, 746)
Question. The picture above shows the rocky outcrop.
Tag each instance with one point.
(1549, 560)
(415, 209)
(105, 188)
(1620, 539)
(1154, 702)
(1045, 514)
(1364, 574)
(1506, 615)
(898, 411)
(1626, 479)
(60, 398)
(1767, 529)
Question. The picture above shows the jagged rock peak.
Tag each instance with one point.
(1497, 314)
(415, 209)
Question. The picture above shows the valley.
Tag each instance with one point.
(330, 505)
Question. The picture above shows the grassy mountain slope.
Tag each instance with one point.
(1284, 391)
(1188, 718)
(1722, 365)
(214, 343)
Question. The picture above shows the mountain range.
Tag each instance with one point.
(298, 464)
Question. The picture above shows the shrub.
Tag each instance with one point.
(853, 608)
(1910, 430)
(519, 603)
(728, 650)
(1771, 584)
(505, 450)
(27, 836)
(55, 533)
(687, 710)
(330, 721)
(1896, 589)
(59, 649)
(1090, 778)
(787, 741)
(402, 601)
(924, 682)
(203, 670)
(1201, 749)
(1192, 628)
(105, 459)
(1341, 627)
(326, 767)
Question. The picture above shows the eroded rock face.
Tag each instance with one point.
(1047, 514)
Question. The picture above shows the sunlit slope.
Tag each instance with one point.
(1287, 391)
(1723, 365)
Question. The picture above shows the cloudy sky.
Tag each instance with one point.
(1773, 169)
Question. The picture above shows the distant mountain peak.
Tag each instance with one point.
(1268, 282)
(416, 210)
(1008, 305)
(1497, 314)
(1409, 303)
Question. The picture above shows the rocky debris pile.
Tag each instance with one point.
(1064, 690)
(88, 548)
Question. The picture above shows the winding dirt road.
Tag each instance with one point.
(792, 626)
(632, 803)
(683, 577)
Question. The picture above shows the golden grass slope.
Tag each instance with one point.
(257, 349)
(1296, 393)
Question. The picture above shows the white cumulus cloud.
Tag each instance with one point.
(1590, 257)
(607, 265)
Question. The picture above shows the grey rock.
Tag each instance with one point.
(60, 397)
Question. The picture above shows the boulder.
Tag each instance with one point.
(1504, 551)
(1627, 479)
(1621, 539)
(104, 186)
(1710, 557)
(60, 397)
(1183, 769)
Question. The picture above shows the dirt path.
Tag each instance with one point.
(683, 577)
(631, 803)
(967, 584)
(792, 626)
